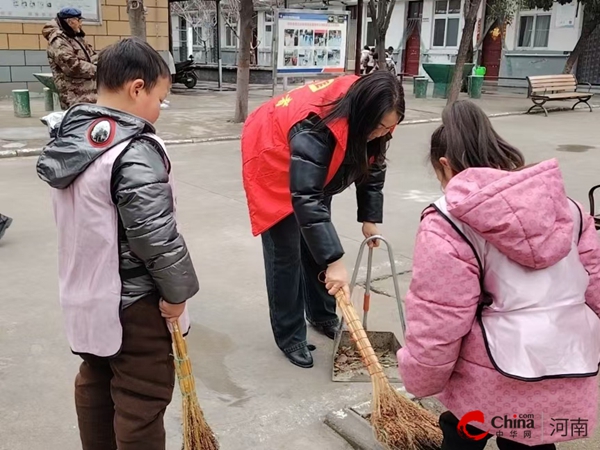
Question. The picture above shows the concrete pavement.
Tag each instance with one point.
(198, 115)
(252, 397)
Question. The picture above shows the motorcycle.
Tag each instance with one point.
(185, 73)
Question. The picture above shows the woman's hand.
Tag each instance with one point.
(370, 229)
(336, 278)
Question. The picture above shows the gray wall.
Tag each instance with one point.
(17, 68)
(521, 64)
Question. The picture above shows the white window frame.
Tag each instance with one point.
(197, 35)
(268, 35)
(228, 32)
(535, 13)
(446, 16)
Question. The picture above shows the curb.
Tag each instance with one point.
(37, 151)
(23, 152)
(352, 425)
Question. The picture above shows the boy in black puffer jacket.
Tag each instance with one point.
(123, 266)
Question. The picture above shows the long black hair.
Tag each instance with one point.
(468, 139)
(364, 106)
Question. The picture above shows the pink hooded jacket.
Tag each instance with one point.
(526, 216)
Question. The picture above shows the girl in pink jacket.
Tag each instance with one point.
(502, 311)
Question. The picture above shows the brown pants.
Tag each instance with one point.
(121, 401)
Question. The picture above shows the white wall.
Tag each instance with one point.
(175, 31)
(559, 39)
(395, 31)
(438, 54)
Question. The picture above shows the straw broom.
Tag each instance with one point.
(197, 434)
(399, 423)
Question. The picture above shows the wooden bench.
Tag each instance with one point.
(546, 88)
(593, 207)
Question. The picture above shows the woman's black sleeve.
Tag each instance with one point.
(369, 193)
(311, 155)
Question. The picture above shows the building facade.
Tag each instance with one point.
(23, 48)
(534, 42)
(539, 42)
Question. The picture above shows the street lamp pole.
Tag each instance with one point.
(359, 24)
(219, 60)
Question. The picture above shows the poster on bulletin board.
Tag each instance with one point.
(311, 42)
(46, 9)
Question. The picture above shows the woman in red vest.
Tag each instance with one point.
(298, 151)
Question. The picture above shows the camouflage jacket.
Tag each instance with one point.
(73, 64)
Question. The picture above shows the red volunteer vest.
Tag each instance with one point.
(266, 150)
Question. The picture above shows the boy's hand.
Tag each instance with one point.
(170, 311)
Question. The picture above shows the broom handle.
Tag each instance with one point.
(186, 382)
(359, 335)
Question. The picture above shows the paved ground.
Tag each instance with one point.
(206, 114)
(252, 396)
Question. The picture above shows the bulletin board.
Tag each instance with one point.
(46, 9)
(310, 42)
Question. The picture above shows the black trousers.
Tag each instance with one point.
(293, 286)
(453, 441)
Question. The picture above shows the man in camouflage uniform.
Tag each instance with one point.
(72, 59)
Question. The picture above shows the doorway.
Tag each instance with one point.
(491, 54)
(412, 47)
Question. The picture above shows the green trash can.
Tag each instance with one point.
(475, 86)
(21, 104)
(48, 99)
(421, 87)
(415, 78)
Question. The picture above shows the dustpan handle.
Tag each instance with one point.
(361, 250)
(367, 295)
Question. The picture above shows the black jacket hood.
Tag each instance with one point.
(72, 151)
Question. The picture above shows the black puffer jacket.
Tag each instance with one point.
(153, 254)
(311, 152)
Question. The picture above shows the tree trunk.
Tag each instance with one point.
(137, 18)
(385, 8)
(586, 32)
(380, 50)
(465, 42)
(243, 70)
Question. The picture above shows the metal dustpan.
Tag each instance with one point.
(347, 364)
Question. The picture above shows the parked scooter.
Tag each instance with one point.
(185, 73)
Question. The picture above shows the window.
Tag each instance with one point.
(268, 29)
(197, 35)
(446, 23)
(230, 37)
(534, 31)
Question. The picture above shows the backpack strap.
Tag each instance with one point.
(580, 219)
(485, 299)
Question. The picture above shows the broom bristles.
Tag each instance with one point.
(399, 423)
(197, 434)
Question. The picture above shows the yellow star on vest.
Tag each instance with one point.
(285, 101)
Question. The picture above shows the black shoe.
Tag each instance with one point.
(329, 330)
(4, 224)
(301, 358)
